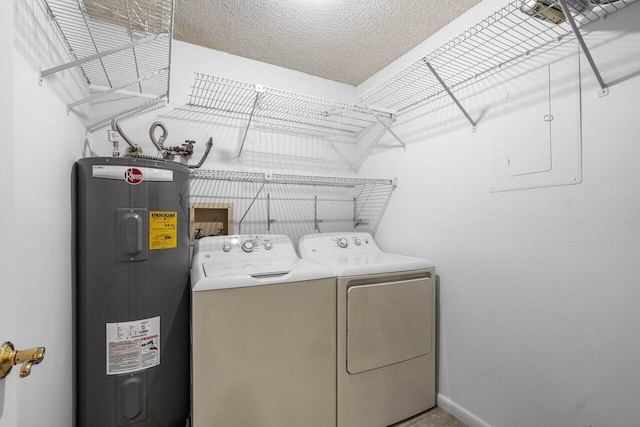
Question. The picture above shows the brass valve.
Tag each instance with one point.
(9, 357)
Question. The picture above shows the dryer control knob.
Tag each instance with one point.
(226, 247)
(356, 241)
(342, 242)
(268, 246)
(247, 246)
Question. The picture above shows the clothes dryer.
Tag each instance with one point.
(386, 329)
(263, 335)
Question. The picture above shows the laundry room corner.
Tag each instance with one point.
(321, 213)
(535, 282)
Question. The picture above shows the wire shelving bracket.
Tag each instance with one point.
(604, 90)
(453, 97)
(116, 45)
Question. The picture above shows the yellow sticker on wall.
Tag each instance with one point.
(163, 230)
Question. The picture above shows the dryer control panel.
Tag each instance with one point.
(335, 244)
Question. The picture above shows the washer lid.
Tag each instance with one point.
(238, 274)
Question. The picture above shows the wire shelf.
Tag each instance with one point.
(277, 178)
(103, 29)
(279, 109)
(504, 37)
(295, 205)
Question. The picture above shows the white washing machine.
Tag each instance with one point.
(386, 329)
(263, 335)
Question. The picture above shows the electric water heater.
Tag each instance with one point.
(132, 296)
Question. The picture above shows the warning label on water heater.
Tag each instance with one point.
(133, 346)
(163, 230)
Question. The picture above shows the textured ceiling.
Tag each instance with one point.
(342, 40)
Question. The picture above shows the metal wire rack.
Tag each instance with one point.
(504, 37)
(295, 205)
(277, 178)
(121, 48)
(279, 109)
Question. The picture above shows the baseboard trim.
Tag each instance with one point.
(459, 412)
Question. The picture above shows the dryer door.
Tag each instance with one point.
(388, 323)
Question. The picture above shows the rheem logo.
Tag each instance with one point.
(133, 176)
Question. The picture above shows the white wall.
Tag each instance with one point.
(8, 386)
(538, 288)
(36, 216)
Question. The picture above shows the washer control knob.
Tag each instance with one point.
(247, 246)
(268, 246)
(356, 241)
(342, 242)
(226, 247)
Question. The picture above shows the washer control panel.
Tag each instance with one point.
(242, 246)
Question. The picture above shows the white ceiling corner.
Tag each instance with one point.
(342, 40)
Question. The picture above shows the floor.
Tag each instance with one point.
(435, 417)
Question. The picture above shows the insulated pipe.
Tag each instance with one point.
(116, 127)
(163, 137)
(204, 156)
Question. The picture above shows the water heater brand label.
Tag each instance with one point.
(132, 175)
(163, 230)
(133, 346)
